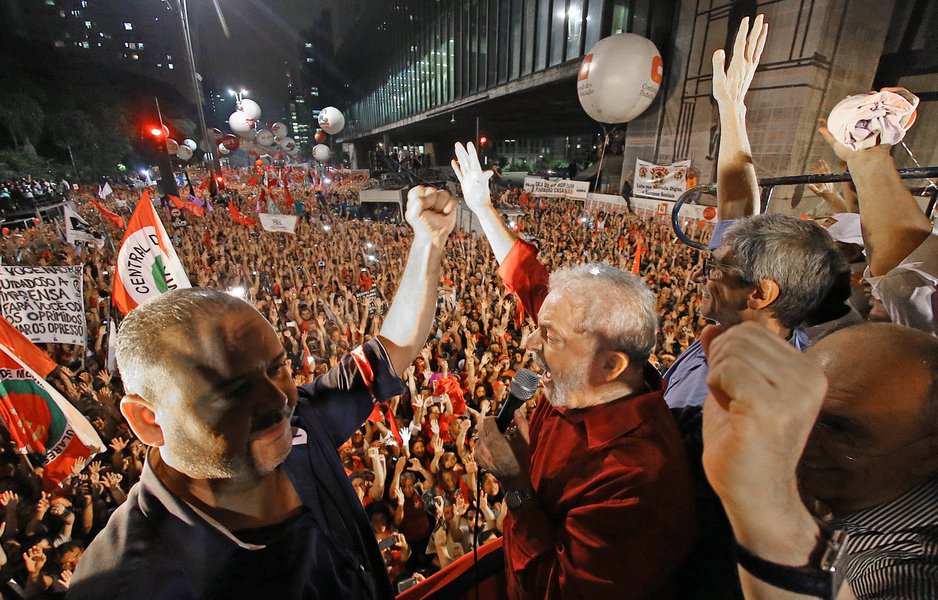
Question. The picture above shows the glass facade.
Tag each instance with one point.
(435, 53)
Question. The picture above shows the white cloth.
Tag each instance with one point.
(909, 292)
(844, 227)
(866, 120)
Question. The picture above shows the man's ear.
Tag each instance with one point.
(613, 365)
(142, 419)
(764, 294)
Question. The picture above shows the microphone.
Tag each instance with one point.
(523, 385)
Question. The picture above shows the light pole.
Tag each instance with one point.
(212, 161)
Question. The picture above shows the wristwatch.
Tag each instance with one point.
(515, 498)
(823, 581)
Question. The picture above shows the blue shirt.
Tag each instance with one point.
(157, 546)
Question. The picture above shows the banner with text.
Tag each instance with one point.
(278, 223)
(78, 231)
(561, 188)
(666, 182)
(44, 303)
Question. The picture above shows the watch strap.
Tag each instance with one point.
(807, 580)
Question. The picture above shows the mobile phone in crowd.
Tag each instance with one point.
(406, 584)
(387, 542)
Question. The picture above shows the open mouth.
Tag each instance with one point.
(546, 376)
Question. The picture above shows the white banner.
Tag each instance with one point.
(561, 188)
(105, 190)
(666, 182)
(78, 231)
(44, 303)
(607, 203)
(663, 208)
(278, 223)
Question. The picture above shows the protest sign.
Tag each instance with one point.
(44, 303)
(278, 223)
(561, 188)
(666, 182)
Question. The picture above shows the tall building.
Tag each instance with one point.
(138, 36)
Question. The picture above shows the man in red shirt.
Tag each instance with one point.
(597, 485)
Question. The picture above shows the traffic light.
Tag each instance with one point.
(157, 133)
(483, 140)
(220, 182)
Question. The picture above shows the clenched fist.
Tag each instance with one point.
(432, 213)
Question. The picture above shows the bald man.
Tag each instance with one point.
(243, 494)
(872, 459)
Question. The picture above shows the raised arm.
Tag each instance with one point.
(737, 187)
(893, 224)
(475, 189)
(432, 214)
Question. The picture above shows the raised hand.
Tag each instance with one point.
(431, 212)
(9, 500)
(437, 445)
(79, 465)
(95, 467)
(118, 444)
(730, 85)
(112, 480)
(473, 180)
(460, 508)
(35, 560)
(65, 577)
(405, 436)
(43, 504)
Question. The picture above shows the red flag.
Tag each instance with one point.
(116, 221)
(38, 418)
(253, 181)
(384, 409)
(637, 265)
(195, 209)
(238, 218)
(177, 201)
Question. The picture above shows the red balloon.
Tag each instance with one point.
(32, 230)
(320, 136)
(36, 220)
(231, 142)
(6, 231)
(259, 162)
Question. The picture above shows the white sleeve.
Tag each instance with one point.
(909, 292)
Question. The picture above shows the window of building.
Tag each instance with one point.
(620, 17)
(128, 26)
(139, 45)
(76, 13)
(84, 3)
(310, 59)
(169, 66)
(50, 2)
(135, 56)
(89, 25)
(308, 45)
(85, 45)
(59, 44)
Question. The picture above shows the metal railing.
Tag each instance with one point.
(768, 186)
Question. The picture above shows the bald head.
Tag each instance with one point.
(156, 338)
(877, 430)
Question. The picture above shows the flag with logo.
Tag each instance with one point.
(147, 264)
(78, 231)
(39, 419)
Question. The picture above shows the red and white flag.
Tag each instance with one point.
(147, 264)
(39, 419)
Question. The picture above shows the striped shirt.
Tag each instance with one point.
(892, 549)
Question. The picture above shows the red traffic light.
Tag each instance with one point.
(220, 180)
(483, 140)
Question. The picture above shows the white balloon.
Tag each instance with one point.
(172, 146)
(295, 152)
(288, 144)
(184, 152)
(241, 125)
(250, 108)
(190, 144)
(222, 151)
(265, 137)
(279, 129)
(331, 120)
(619, 78)
(321, 152)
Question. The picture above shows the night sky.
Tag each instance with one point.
(264, 34)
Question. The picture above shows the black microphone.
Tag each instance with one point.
(523, 385)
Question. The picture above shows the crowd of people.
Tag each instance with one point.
(328, 289)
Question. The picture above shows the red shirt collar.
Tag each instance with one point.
(606, 422)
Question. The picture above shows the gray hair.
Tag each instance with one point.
(797, 254)
(614, 305)
(150, 335)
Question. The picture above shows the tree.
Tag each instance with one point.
(71, 129)
(23, 118)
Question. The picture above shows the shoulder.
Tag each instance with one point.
(128, 559)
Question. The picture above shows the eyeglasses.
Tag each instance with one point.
(714, 269)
